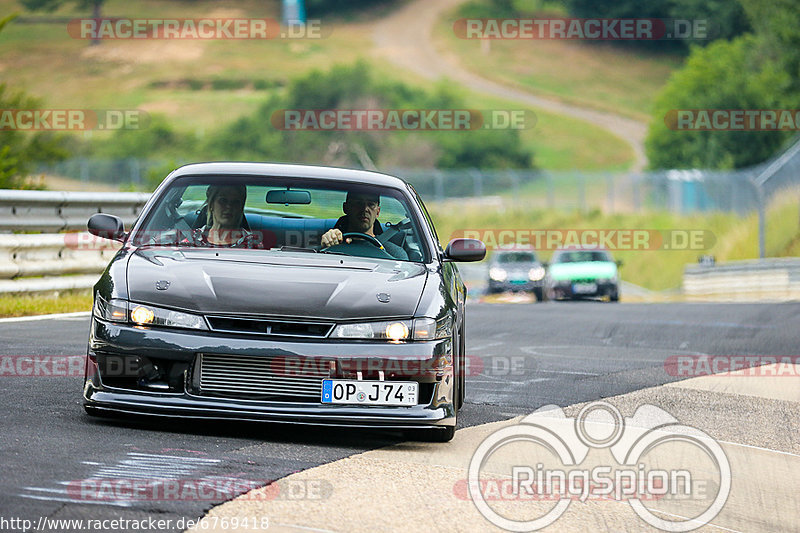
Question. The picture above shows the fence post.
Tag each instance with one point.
(84, 164)
(438, 184)
(514, 181)
(477, 179)
(762, 223)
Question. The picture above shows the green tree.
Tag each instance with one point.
(18, 150)
(726, 18)
(724, 75)
(777, 23)
(355, 87)
(52, 5)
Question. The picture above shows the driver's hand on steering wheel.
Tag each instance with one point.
(332, 237)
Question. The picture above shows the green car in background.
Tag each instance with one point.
(582, 274)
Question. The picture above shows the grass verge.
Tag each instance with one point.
(45, 304)
(597, 75)
(735, 237)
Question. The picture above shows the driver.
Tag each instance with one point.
(361, 212)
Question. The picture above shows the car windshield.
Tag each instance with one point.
(511, 258)
(581, 256)
(282, 214)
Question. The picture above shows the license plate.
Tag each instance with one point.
(584, 288)
(369, 392)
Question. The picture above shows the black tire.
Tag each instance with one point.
(614, 296)
(539, 293)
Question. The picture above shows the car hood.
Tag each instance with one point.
(583, 270)
(287, 284)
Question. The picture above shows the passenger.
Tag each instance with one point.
(361, 212)
(225, 222)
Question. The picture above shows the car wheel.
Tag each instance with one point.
(614, 296)
(539, 293)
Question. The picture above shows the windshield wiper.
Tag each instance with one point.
(297, 249)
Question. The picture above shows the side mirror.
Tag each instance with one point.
(545, 264)
(619, 262)
(465, 250)
(106, 227)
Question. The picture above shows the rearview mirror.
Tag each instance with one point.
(106, 227)
(284, 196)
(465, 250)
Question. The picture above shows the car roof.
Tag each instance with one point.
(289, 171)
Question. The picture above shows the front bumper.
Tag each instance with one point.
(177, 350)
(522, 285)
(567, 289)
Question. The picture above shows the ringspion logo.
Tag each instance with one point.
(599, 454)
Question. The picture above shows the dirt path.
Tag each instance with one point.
(405, 39)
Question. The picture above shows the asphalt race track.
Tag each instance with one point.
(531, 355)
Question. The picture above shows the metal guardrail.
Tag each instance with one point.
(53, 211)
(765, 279)
(52, 260)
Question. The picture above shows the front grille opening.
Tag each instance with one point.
(261, 378)
(258, 326)
(270, 378)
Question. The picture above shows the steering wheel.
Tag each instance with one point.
(369, 238)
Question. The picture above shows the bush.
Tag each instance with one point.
(156, 138)
(354, 87)
(19, 151)
(724, 75)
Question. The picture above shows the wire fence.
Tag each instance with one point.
(678, 191)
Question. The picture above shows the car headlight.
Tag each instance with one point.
(146, 315)
(536, 273)
(418, 329)
(498, 274)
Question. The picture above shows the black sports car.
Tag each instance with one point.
(224, 303)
